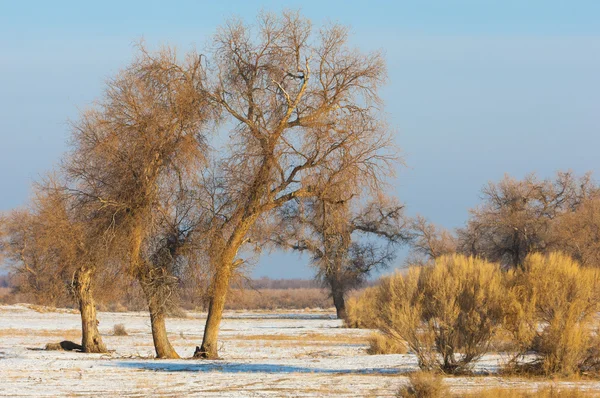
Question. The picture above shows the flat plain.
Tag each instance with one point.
(263, 354)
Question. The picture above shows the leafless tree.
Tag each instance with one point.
(577, 233)
(428, 241)
(305, 111)
(27, 258)
(333, 231)
(132, 159)
(51, 248)
(517, 217)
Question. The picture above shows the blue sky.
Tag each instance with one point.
(476, 88)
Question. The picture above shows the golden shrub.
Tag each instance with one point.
(447, 312)
(424, 385)
(380, 344)
(361, 311)
(553, 314)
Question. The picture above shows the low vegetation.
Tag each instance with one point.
(424, 385)
(381, 344)
(553, 313)
(119, 330)
(431, 385)
(456, 309)
(362, 310)
(447, 312)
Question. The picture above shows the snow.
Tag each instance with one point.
(264, 354)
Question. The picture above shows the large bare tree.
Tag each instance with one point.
(304, 110)
(133, 156)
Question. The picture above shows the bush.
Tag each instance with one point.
(552, 314)
(447, 312)
(424, 385)
(119, 330)
(361, 311)
(380, 344)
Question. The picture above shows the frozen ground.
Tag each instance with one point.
(295, 354)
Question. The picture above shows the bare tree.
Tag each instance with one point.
(305, 112)
(28, 259)
(132, 158)
(516, 217)
(428, 242)
(334, 234)
(51, 247)
(577, 233)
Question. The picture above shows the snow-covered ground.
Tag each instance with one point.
(263, 354)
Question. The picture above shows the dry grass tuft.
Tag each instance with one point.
(380, 344)
(549, 392)
(424, 385)
(119, 330)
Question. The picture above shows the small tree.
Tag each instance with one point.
(429, 242)
(447, 312)
(28, 259)
(52, 246)
(331, 231)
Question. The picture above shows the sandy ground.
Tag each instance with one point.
(299, 354)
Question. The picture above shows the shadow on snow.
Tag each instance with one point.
(232, 367)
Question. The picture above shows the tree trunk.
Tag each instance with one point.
(90, 337)
(162, 345)
(220, 286)
(339, 301)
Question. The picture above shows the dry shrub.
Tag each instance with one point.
(552, 314)
(424, 385)
(380, 344)
(119, 330)
(361, 311)
(549, 392)
(447, 312)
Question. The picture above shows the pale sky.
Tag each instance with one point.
(476, 88)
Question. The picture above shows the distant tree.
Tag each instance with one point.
(517, 217)
(334, 233)
(577, 233)
(304, 110)
(428, 242)
(27, 258)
